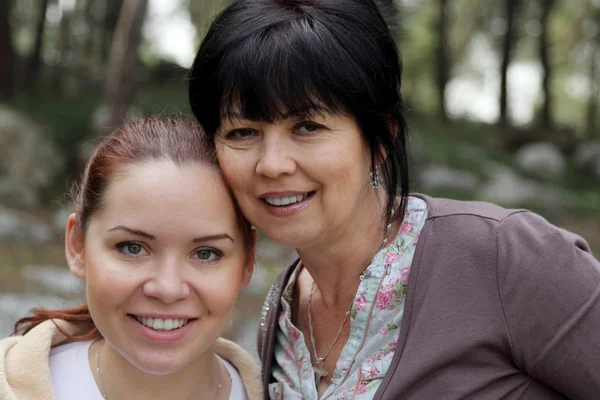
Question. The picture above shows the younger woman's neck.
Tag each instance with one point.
(122, 380)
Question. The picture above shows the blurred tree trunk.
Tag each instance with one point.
(111, 17)
(60, 76)
(7, 52)
(389, 11)
(547, 69)
(34, 64)
(443, 58)
(511, 7)
(91, 23)
(592, 106)
(123, 69)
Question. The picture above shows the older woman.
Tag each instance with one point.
(393, 296)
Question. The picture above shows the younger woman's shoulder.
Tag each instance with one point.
(245, 364)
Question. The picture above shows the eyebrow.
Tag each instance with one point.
(213, 237)
(137, 232)
(298, 115)
(133, 232)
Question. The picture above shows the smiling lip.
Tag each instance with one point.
(286, 210)
(164, 316)
(286, 193)
(171, 336)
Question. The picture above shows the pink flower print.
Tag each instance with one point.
(374, 357)
(289, 354)
(406, 227)
(362, 389)
(416, 239)
(294, 334)
(392, 345)
(384, 331)
(404, 275)
(360, 303)
(339, 364)
(391, 257)
(384, 298)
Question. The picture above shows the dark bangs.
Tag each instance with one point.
(289, 63)
(285, 77)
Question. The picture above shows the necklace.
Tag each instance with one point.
(319, 369)
(101, 387)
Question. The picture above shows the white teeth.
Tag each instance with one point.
(284, 201)
(160, 324)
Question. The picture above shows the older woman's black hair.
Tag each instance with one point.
(266, 59)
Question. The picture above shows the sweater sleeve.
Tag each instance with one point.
(549, 286)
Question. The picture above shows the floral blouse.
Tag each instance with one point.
(375, 320)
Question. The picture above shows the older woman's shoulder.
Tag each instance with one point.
(441, 207)
(478, 224)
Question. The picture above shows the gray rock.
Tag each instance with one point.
(508, 188)
(20, 226)
(542, 159)
(54, 279)
(28, 160)
(435, 177)
(587, 156)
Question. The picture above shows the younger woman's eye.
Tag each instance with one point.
(307, 128)
(208, 254)
(131, 249)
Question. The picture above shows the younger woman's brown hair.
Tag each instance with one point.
(147, 139)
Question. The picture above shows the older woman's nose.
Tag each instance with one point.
(276, 157)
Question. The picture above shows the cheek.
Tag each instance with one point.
(219, 293)
(106, 286)
(236, 166)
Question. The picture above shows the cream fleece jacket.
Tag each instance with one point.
(25, 370)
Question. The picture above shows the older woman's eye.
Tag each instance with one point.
(308, 128)
(208, 254)
(131, 249)
(241, 134)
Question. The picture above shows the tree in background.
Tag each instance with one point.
(34, 63)
(442, 57)
(547, 68)
(591, 125)
(61, 72)
(111, 18)
(7, 52)
(123, 71)
(511, 8)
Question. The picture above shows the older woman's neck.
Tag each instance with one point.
(337, 263)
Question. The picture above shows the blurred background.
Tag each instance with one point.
(503, 95)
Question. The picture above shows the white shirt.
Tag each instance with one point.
(72, 376)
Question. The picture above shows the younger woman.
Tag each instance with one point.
(164, 252)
